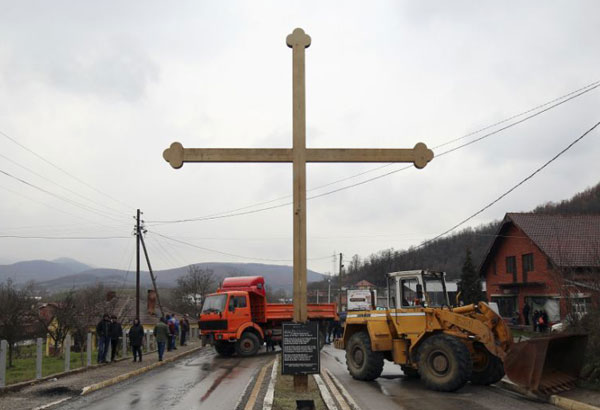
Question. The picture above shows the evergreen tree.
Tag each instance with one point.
(470, 282)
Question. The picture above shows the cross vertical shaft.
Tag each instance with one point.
(299, 41)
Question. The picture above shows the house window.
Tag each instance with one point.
(511, 266)
(527, 260)
(579, 306)
(507, 305)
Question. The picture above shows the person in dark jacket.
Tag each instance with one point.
(185, 329)
(103, 337)
(535, 319)
(161, 333)
(136, 339)
(116, 332)
(526, 310)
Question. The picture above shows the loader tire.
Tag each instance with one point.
(444, 363)
(225, 349)
(362, 362)
(487, 368)
(247, 345)
(409, 372)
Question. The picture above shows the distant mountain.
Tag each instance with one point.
(37, 270)
(73, 264)
(276, 276)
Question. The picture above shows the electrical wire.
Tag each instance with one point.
(64, 171)
(553, 104)
(70, 201)
(56, 209)
(513, 187)
(114, 211)
(230, 254)
(65, 237)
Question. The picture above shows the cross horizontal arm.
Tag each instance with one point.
(420, 155)
(176, 155)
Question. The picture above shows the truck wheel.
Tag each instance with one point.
(247, 345)
(487, 368)
(444, 363)
(225, 349)
(362, 362)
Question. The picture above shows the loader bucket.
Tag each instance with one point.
(546, 365)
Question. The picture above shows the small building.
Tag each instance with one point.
(550, 262)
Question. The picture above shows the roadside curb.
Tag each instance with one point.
(349, 400)
(109, 382)
(558, 401)
(570, 404)
(11, 388)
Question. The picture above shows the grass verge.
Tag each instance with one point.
(285, 397)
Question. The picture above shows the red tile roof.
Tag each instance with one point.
(569, 240)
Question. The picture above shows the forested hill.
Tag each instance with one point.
(447, 254)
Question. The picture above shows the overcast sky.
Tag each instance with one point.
(100, 89)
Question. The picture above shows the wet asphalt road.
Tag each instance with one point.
(393, 391)
(202, 381)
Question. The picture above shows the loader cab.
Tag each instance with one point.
(416, 289)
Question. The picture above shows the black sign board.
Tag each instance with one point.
(300, 348)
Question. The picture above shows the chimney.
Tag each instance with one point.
(151, 301)
(110, 295)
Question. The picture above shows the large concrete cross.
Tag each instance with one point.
(299, 155)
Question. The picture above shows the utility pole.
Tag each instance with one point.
(329, 289)
(137, 266)
(340, 279)
(162, 312)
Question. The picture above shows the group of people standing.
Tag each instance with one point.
(539, 318)
(108, 333)
(166, 331)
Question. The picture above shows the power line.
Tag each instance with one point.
(56, 209)
(66, 237)
(513, 188)
(112, 210)
(64, 171)
(230, 254)
(227, 214)
(70, 201)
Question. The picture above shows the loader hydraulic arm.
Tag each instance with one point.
(477, 322)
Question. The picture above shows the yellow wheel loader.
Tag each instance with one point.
(448, 346)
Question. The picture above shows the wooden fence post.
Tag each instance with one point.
(3, 351)
(67, 350)
(124, 349)
(89, 349)
(38, 358)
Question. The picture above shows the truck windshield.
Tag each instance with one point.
(435, 291)
(214, 304)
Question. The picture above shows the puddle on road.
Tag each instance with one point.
(57, 391)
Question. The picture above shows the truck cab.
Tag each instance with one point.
(417, 289)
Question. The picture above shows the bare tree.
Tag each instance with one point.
(91, 304)
(192, 288)
(57, 321)
(17, 314)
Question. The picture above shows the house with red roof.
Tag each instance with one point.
(549, 262)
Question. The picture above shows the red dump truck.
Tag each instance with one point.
(237, 317)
